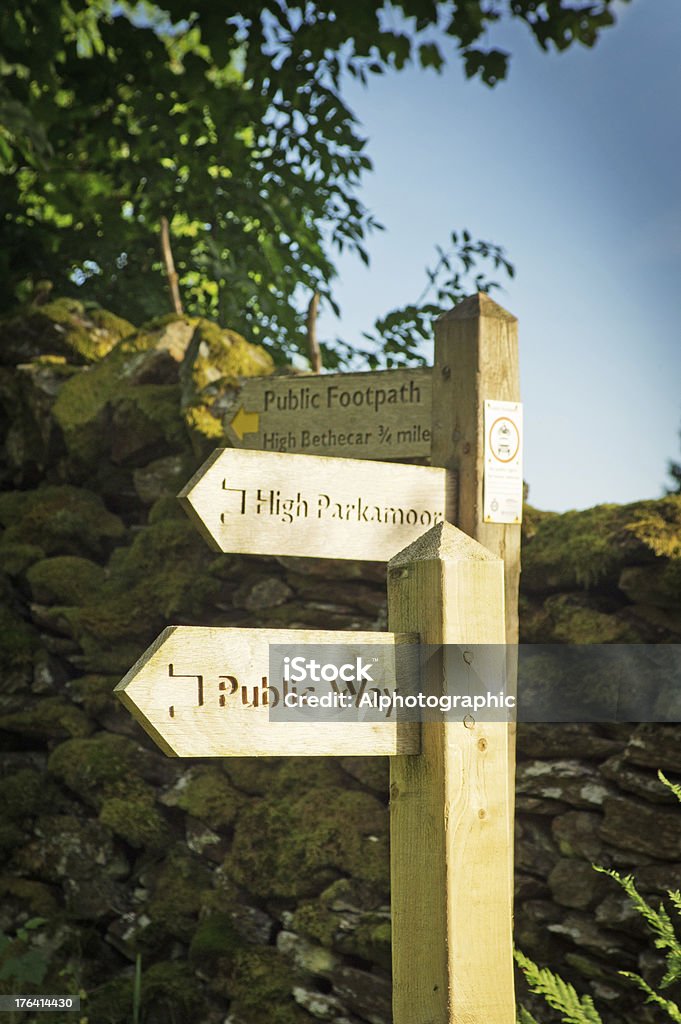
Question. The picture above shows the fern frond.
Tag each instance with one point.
(525, 1017)
(669, 1007)
(674, 786)
(558, 994)
(658, 920)
(675, 897)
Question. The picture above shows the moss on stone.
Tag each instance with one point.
(590, 547)
(200, 419)
(371, 941)
(298, 847)
(48, 718)
(145, 421)
(136, 819)
(372, 772)
(18, 640)
(65, 520)
(161, 576)
(657, 525)
(73, 847)
(534, 620)
(221, 352)
(533, 518)
(206, 793)
(111, 1001)
(94, 693)
(35, 897)
(213, 364)
(575, 620)
(299, 774)
(261, 984)
(101, 767)
(102, 415)
(178, 892)
(62, 327)
(316, 921)
(85, 334)
(114, 325)
(102, 412)
(252, 775)
(171, 332)
(658, 585)
(130, 403)
(163, 478)
(11, 836)
(170, 993)
(80, 411)
(341, 919)
(65, 579)
(15, 559)
(215, 937)
(166, 508)
(23, 793)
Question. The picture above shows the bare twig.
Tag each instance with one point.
(312, 343)
(170, 266)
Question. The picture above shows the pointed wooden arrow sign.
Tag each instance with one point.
(202, 692)
(268, 503)
(383, 414)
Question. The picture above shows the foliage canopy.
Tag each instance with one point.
(229, 121)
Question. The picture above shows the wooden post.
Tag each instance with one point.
(450, 816)
(476, 358)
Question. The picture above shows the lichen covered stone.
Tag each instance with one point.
(61, 519)
(65, 579)
(588, 548)
(298, 846)
(103, 766)
(205, 793)
(62, 327)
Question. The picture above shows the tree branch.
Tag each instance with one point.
(170, 266)
(312, 343)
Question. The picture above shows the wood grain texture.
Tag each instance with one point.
(450, 820)
(476, 358)
(382, 414)
(269, 503)
(205, 692)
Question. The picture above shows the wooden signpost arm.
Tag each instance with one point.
(451, 904)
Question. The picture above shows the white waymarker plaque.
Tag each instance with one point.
(503, 472)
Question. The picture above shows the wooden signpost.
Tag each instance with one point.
(384, 415)
(202, 692)
(206, 691)
(275, 504)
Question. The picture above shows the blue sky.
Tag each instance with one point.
(573, 164)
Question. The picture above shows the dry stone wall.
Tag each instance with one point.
(257, 890)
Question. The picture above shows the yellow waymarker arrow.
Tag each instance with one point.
(245, 423)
